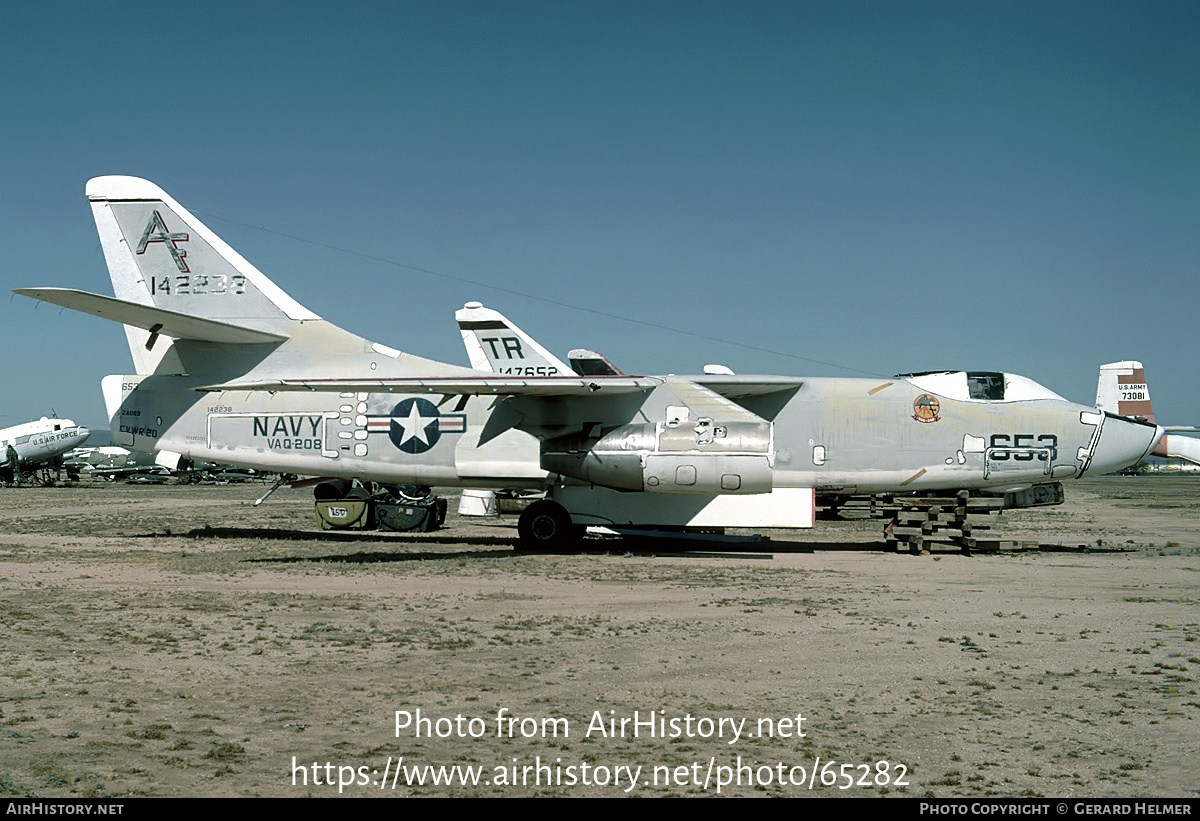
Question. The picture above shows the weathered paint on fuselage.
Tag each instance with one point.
(865, 435)
(236, 371)
(379, 437)
(838, 435)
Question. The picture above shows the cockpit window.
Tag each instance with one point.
(985, 385)
(980, 386)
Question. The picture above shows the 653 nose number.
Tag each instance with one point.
(1022, 447)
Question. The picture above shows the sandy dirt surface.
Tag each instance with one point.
(142, 655)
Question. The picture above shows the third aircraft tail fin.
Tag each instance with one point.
(1122, 390)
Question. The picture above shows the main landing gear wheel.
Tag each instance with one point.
(546, 526)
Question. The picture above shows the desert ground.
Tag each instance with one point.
(176, 641)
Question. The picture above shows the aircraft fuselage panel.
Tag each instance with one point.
(832, 432)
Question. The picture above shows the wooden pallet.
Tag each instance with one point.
(960, 522)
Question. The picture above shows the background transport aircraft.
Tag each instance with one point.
(34, 445)
(229, 368)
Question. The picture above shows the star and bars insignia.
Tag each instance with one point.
(416, 424)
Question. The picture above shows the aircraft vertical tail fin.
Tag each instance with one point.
(1122, 390)
(495, 344)
(160, 255)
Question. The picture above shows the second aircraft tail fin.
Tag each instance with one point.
(497, 345)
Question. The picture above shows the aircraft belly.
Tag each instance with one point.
(594, 505)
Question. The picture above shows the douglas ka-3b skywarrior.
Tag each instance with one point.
(229, 368)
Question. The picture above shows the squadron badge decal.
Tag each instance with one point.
(415, 425)
(926, 407)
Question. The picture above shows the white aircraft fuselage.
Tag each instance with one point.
(40, 442)
(231, 369)
(841, 435)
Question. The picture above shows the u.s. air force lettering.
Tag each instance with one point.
(415, 425)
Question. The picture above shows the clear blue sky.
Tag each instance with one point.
(877, 186)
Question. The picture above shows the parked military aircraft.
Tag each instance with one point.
(26, 448)
(232, 369)
(113, 463)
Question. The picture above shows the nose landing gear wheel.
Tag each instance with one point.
(546, 526)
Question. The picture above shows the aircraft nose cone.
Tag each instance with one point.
(1123, 442)
(84, 433)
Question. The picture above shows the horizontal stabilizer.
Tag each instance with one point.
(148, 318)
(1179, 447)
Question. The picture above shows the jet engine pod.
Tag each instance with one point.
(614, 460)
(631, 458)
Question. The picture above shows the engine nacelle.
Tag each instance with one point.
(680, 457)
